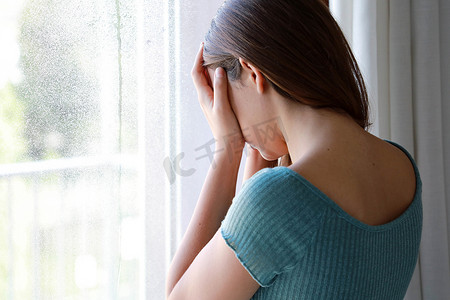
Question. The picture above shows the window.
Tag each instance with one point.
(100, 144)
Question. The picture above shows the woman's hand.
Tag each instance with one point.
(216, 107)
(255, 162)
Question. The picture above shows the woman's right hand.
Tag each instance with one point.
(255, 162)
(217, 109)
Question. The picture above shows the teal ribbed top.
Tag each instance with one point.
(299, 244)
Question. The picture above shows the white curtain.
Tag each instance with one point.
(403, 49)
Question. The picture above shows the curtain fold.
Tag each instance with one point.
(429, 127)
(402, 47)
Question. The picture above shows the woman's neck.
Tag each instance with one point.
(309, 130)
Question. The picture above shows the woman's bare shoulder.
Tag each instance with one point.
(373, 181)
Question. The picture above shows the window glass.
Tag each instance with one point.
(69, 213)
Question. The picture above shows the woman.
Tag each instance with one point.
(343, 218)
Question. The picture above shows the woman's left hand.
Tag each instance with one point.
(216, 106)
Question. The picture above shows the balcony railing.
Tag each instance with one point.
(44, 241)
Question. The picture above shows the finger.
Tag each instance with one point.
(198, 70)
(220, 89)
(204, 90)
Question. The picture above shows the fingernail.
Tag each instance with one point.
(201, 45)
(219, 72)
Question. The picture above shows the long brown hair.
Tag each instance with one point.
(299, 48)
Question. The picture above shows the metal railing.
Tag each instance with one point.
(32, 172)
(44, 166)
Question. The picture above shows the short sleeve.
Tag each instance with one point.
(271, 223)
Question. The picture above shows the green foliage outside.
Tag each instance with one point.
(12, 122)
(58, 95)
(12, 149)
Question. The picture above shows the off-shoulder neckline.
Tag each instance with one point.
(348, 217)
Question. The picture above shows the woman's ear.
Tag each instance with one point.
(257, 78)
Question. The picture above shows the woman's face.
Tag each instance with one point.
(256, 115)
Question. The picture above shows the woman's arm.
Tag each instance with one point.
(204, 266)
(215, 199)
